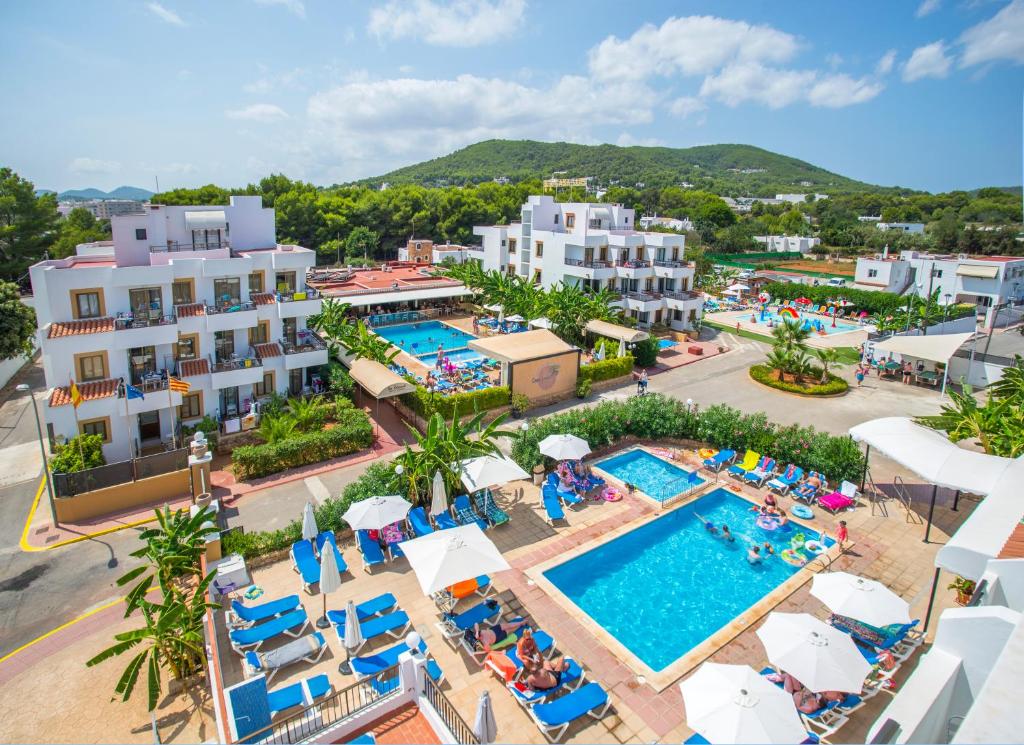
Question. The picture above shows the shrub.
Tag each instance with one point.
(274, 405)
(78, 454)
(353, 432)
(339, 382)
(208, 426)
(582, 388)
(520, 403)
(608, 369)
(767, 375)
(425, 403)
(646, 352)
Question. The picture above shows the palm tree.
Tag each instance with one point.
(791, 335)
(964, 418)
(306, 413)
(275, 429)
(332, 320)
(780, 360)
(827, 357)
(366, 344)
(800, 365)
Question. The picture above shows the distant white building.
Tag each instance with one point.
(869, 218)
(672, 223)
(798, 198)
(103, 209)
(788, 243)
(916, 228)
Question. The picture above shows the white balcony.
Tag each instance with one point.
(299, 304)
(144, 332)
(228, 317)
(153, 400)
(683, 300)
(634, 269)
(589, 269)
(242, 371)
(642, 301)
(308, 350)
(672, 269)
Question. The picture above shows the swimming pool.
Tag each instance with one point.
(816, 321)
(422, 339)
(667, 586)
(653, 476)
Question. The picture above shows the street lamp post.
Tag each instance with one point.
(24, 388)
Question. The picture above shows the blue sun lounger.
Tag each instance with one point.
(551, 503)
(304, 693)
(545, 645)
(305, 564)
(720, 459)
(373, 607)
(369, 549)
(763, 471)
(304, 649)
(292, 624)
(247, 615)
(393, 624)
(383, 686)
(373, 664)
(418, 522)
(829, 718)
(444, 520)
(572, 678)
(554, 718)
(787, 479)
(327, 538)
(453, 626)
(484, 502)
(465, 514)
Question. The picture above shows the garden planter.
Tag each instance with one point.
(963, 598)
(538, 474)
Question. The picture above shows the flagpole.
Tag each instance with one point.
(76, 399)
(174, 424)
(128, 423)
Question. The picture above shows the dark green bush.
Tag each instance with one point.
(339, 382)
(767, 375)
(583, 387)
(616, 367)
(78, 454)
(646, 352)
(208, 425)
(426, 404)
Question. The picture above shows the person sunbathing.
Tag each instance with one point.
(813, 480)
(491, 636)
(528, 652)
(806, 701)
(548, 676)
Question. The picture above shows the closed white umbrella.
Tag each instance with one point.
(863, 599)
(330, 580)
(493, 308)
(821, 657)
(353, 636)
(485, 727)
(438, 497)
(516, 318)
(501, 315)
(599, 351)
(622, 347)
(489, 470)
(735, 704)
(564, 447)
(446, 557)
(376, 512)
(309, 529)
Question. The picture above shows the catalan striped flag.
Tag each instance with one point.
(179, 385)
(76, 395)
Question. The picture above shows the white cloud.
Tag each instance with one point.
(93, 166)
(626, 139)
(272, 83)
(296, 7)
(927, 7)
(164, 14)
(693, 45)
(257, 112)
(929, 61)
(752, 81)
(886, 63)
(833, 60)
(837, 91)
(999, 38)
(687, 105)
(461, 23)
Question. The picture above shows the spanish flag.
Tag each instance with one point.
(76, 396)
(179, 385)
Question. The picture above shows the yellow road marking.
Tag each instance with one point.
(63, 626)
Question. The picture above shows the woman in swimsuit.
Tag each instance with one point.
(489, 636)
(548, 676)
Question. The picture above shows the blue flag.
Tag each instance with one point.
(134, 392)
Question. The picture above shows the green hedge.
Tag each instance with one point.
(351, 433)
(766, 375)
(615, 367)
(655, 417)
(425, 403)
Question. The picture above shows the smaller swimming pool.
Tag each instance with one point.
(816, 322)
(653, 476)
(666, 343)
(456, 356)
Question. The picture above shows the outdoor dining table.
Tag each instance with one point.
(928, 377)
(891, 368)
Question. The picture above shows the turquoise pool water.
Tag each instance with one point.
(811, 319)
(422, 339)
(665, 587)
(655, 477)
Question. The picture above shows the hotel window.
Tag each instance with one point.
(87, 304)
(181, 292)
(285, 281)
(603, 253)
(557, 216)
(140, 234)
(187, 347)
(570, 220)
(649, 284)
(872, 273)
(146, 302)
(260, 333)
(538, 249)
(227, 291)
(92, 367)
(511, 245)
(264, 387)
(255, 282)
(191, 406)
(675, 253)
(96, 427)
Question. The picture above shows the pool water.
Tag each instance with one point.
(421, 340)
(667, 586)
(826, 322)
(655, 477)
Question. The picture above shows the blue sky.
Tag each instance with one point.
(921, 93)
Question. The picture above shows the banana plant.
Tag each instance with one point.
(828, 357)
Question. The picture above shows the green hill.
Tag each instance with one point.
(717, 167)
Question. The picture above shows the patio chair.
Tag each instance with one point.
(305, 564)
(327, 538)
(572, 678)
(374, 664)
(393, 536)
(765, 470)
(749, 463)
(465, 514)
(393, 624)
(449, 597)
(292, 624)
(373, 607)
(369, 549)
(789, 477)
(552, 505)
(586, 483)
(444, 520)
(720, 459)
(844, 499)
(304, 649)
(418, 522)
(484, 502)
(554, 718)
(304, 693)
(246, 615)
(828, 718)
(454, 625)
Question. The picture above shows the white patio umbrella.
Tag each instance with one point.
(376, 512)
(735, 704)
(821, 657)
(863, 599)
(353, 636)
(564, 447)
(541, 323)
(446, 557)
(489, 470)
(438, 497)
(485, 727)
(516, 318)
(330, 580)
(739, 287)
(622, 347)
(309, 529)
(493, 308)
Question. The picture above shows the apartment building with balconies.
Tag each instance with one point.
(204, 294)
(596, 246)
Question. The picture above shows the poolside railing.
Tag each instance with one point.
(686, 485)
(449, 715)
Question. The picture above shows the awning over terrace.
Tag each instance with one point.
(205, 220)
(378, 381)
(527, 345)
(935, 348)
(614, 331)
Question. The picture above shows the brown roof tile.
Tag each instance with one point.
(262, 298)
(85, 326)
(89, 391)
(191, 368)
(1014, 546)
(270, 349)
(191, 310)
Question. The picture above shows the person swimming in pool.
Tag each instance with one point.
(754, 555)
(727, 535)
(708, 525)
(489, 636)
(768, 550)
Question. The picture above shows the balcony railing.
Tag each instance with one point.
(633, 264)
(235, 362)
(147, 382)
(308, 342)
(670, 264)
(681, 295)
(588, 264)
(645, 296)
(126, 321)
(176, 247)
(449, 715)
(230, 307)
(310, 293)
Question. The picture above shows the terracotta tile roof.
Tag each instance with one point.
(89, 391)
(191, 368)
(86, 326)
(262, 298)
(191, 310)
(1014, 546)
(270, 349)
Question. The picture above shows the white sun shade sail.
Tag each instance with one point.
(446, 557)
(515, 318)
(930, 455)
(866, 600)
(934, 348)
(489, 470)
(541, 323)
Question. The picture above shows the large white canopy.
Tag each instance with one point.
(930, 455)
(935, 348)
(446, 557)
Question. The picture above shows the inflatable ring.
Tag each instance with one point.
(611, 494)
(814, 547)
(802, 511)
(253, 592)
(706, 453)
(790, 556)
(768, 522)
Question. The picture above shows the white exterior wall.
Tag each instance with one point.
(916, 228)
(786, 243)
(890, 275)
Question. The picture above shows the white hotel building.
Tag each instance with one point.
(202, 293)
(596, 246)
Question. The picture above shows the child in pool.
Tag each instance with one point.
(754, 555)
(726, 534)
(769, 551)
